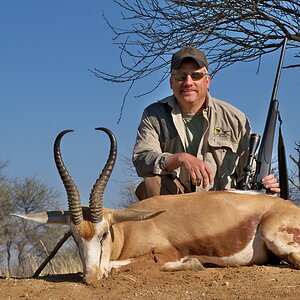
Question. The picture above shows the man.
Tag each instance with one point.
(191, 141)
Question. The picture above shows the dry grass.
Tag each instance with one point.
(65, 263)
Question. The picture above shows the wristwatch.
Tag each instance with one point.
(162, 163)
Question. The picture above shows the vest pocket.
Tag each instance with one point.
(225, 155)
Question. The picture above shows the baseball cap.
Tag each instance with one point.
(188, 52)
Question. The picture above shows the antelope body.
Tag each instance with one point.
(224, 228)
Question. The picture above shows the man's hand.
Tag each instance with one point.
(271, 184)
(199, 171)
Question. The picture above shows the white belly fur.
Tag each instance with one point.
(254, 253)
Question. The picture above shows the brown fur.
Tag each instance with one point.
(212, 224)
(220, 228)
(295, 232)
(218, 245)
(86, 230)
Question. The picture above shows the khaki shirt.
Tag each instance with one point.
(223, 146)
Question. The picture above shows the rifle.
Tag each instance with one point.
(264, 156)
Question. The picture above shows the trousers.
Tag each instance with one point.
(159, 185)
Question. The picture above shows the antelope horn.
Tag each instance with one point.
(71, 189)
(96, 195)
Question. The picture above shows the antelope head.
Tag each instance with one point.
(91, 226)
(88, 226)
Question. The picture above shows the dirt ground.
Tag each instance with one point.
(143, 280)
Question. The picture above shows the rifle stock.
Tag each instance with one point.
(264, 157)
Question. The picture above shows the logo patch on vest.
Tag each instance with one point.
(219, 132)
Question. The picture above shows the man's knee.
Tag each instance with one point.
(149, 187)
(158, 185)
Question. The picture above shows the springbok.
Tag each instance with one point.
(187, 231)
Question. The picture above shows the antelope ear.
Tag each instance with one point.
(129, 214)
(49, 217)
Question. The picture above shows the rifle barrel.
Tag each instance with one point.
(264, 156)
(279, 68)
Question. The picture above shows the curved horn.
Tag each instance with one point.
(71, 189)
(96, 196)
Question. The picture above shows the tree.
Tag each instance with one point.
(295, 176)
(229, 32)
(33, 241)
(128, 196)
(6, 230)
(3, 165)
(30, 195)
(22, 241)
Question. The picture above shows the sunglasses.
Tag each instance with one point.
(181, 76)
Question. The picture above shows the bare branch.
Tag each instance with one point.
(228, 31)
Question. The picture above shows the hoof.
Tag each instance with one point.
(195, 264)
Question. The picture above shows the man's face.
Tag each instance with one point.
(189, 92)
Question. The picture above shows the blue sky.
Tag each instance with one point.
(47, 48)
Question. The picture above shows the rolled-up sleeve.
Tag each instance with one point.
(148, 151)
(147, 147)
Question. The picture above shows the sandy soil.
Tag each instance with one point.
(143, 280)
